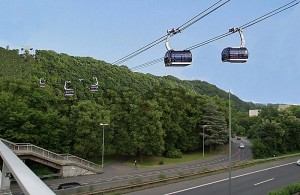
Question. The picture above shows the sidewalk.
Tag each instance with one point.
(115, 169)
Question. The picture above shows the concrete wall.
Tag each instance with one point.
(71, 171)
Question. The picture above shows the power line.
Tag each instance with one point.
(187, 24)
(247, 25)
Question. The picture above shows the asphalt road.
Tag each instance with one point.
(257, 180)
(117, 175)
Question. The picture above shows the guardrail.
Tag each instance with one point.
(136, 181)
(62, 159)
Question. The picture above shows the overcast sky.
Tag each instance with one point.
(109, 30)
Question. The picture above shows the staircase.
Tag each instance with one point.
(65, 162)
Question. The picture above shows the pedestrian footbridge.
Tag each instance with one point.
(69, 165)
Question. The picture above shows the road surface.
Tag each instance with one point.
(257, 180)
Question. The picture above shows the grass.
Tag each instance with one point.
(155, 161)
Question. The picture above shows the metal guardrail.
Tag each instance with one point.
(137, 180)
(62, 159)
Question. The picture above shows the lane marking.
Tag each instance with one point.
(264, 181)
(250, 173)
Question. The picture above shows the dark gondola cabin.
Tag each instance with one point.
(235, 55)
(178, 58)
(42, 85)
(94, 88)
(69, 92)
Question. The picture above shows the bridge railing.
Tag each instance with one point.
(63, 158)
(72, 158)
(26, 179)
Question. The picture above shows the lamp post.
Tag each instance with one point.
(229, 116)
(103, 124)
(203, 139)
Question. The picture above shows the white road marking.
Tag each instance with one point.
(264, 181)
(250, 173)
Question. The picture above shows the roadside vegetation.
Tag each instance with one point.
(274, 132)
(290, 189)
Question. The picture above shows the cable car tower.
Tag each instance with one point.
(26, 51)
(94, 87)
(68, 92)
(236, 54)
(176, 58)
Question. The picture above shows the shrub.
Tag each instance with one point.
(290, 189)
(162, 176)
(175, 153)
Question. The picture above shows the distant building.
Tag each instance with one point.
(254, 112)
(283, 106)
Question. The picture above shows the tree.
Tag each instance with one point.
(85, 130)
(271, 134)
(148, 135)
(216, 132)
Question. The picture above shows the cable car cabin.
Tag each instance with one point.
(178, 58)
(235, 55)
(42, 85)
(69, 92)
(94, 88)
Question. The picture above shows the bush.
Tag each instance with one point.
(162, 176)
(290, 189)
(161, 162)
(175, 153)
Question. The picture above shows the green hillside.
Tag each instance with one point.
(147, 114)
(203, 87)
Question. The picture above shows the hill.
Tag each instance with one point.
(147, 114)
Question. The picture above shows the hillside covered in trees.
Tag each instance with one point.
(147, 114)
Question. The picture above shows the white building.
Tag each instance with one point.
(283, 106)
(254, 112)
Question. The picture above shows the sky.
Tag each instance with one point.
(110, 30)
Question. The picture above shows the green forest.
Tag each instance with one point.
(146, 114)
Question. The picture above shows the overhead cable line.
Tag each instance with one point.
(197, 18)
(147, 64)
(270, 14)
(187, 24)
(247, 25)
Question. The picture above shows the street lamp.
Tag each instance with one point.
(103, 124)
(229, 116)
(203, 139)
